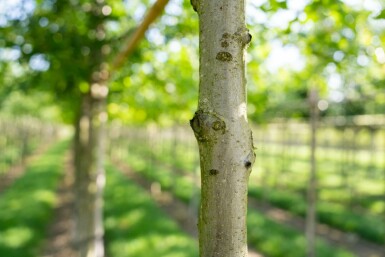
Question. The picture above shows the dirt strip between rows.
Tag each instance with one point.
(58, 243)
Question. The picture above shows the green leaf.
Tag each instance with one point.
(381, 15)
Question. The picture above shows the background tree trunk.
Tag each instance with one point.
(89, 174)
(311, 218)
(221, 128)
(90, 141)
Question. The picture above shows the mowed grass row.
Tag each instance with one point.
(135, 226)
(338, 215)
(20, 136)
(13, 150)
(27, 206)
(352, 209)
(265, 235)
(334, 215)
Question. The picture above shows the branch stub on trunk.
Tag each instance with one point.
(243, 36)
(195, 4)
(249, 161)
(207, 126)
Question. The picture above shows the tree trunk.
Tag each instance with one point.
(221, 128)
(89, 173)
(311, 219)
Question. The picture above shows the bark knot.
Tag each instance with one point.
(224, 40)
(243, 36)
(224, 57)
(224, 44)
(207, 126)
(213, 172)
(219, 125)
(226, 35)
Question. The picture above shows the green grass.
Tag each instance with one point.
(337, 205)
(13, 151)
(337, 215)
(135, 226)
(265, 235)
(368, 227)
(26, 207)
(276, 240)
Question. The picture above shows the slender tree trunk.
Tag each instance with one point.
(284, 160)
(383, 196)
(221, 128)
(311, 219)
(90, 149)
(89, 173)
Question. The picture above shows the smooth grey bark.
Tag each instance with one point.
(383, 198)
(90, 150)
(89, 173)
(311, 218)
(221, 128)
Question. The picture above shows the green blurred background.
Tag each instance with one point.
(51, 49)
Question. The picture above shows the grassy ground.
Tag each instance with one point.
(135, 226)
(14, 151)
(354, 210)
(26, 207)
(271, 238)
(334, 207)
